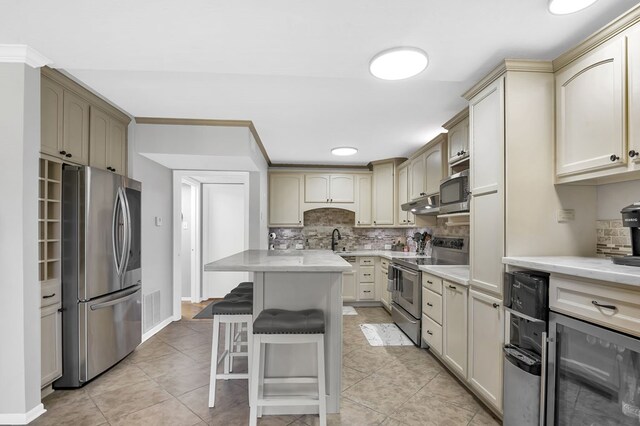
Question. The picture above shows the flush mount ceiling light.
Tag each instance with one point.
(398, 63)
(565, 7)
(344, 150)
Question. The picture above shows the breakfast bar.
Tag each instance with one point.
(297, 280)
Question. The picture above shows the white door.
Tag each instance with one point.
(417, 178)
(316, 188)
(383, 194)
(433, 169)
(185, 251)
(224, 224)
(403, 195)
(634, 96)
(454, 325)
(363, 212)
(284, 199)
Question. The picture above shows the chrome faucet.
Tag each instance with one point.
(334, 243)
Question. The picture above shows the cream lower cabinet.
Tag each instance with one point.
(349, 292)
(486, 340)
(363, 200)
(285, 195)
(454, 343)
(50, 343)
(385, 296)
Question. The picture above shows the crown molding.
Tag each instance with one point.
(307, 167)
(612, 29)
(456, 118)
(210, 122)
(516, 65)
(23, 54)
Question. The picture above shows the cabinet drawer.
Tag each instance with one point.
(432, 334)
(367, 292)
(50, 292)
(367, 261)
(579, 298)
(384, 264)
(432, 305)
(366, 274)
(432, 282)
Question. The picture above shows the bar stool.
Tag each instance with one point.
(236, 309)
(279, 326)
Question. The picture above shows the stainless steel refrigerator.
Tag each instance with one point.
(101, 276)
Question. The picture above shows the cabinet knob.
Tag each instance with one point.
(68, 155)
(496, 305)
(299, 221)
(614, 158)
(429, 304)
(358, 222)
(63, 152)
(374, 222)
(429, 333)
(327, 200)
(459, 153)
(452, 286)
(331, 200)
(423, 193)
(633, 153)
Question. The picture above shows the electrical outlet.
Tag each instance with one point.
(158, 221)
(387, 246)
(567, 215)
(299, 246)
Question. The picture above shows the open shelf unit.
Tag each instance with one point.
(49, 216)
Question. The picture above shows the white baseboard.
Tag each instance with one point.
(22, 418)
(146, 336)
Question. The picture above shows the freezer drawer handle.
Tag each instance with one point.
(599, 305)
(116, 301)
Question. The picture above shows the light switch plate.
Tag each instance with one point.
(367, 246)
(299, 246)
(387, 246)
(566, 215)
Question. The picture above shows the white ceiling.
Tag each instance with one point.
(297, 68)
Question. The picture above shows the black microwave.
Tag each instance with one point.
(454, 193)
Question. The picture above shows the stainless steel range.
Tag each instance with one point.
(405, 281)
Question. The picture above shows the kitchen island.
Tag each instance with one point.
(297, 280)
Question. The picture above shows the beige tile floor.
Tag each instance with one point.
(166, 382)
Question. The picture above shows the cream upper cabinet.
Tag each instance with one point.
(51, 107)
(417, 178)
(486, 129)
(341, 189)
(434, 169)
(316, 188)
(458, 144)
(75, 129)
(454, 323)
(328, 188)
(117, 147)
(363, 200)
(50, 344)
(590, 111)
(486, 340)
(403, 194)
(99, 134)
(383, 193)
(285, 195)
(633, 50)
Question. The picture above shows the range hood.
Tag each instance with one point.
(426, 206)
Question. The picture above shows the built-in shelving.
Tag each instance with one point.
(49, 220)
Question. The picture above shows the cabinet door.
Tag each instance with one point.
(316, 188)
(434, 170)
(590, 111)
(634, 96)
(363, 215)
(417, 178)
(486, 339)
(385, 296)
(383, 194)
(75, 139)
(454, 324)
(486, 127)
(458, 140)
(284, 200)
(403, 195)
(51, 120)
(341, 189)
(51, 344)
(348, 286)
(117, 147)
(99, 137)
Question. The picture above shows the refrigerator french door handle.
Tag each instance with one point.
(124, 298)
(119, 205)
(127, 245)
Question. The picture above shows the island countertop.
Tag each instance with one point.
(281, 261)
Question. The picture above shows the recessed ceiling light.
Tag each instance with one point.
(565, 7)
(398, 63)
(344, 150)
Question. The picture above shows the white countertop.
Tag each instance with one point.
(596, 268)
(455, 273)
(281, 261)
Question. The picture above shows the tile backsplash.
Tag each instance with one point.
(613, 238)
(319, 223)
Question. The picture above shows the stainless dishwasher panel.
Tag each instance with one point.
(110, 329)
(522, 402)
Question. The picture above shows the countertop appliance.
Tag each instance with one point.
(405, 281)
(631, 219)
(526, 299)
(454, 193)
(101, 275)
(428, 205)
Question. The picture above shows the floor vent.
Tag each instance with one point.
(151, 310)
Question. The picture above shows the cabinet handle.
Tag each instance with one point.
(367, 291)
(614, 158)
(423, 193)
(48, 296)
(68, 155)
(599, 305)
(633, 153)
(60, 310)
(429, 282)
(63, 152)
(429, 304)
(496, 305)
(327, 200)
(429, 333)
(453, 286)
(331, 200)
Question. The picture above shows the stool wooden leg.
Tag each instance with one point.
(253, 389)
(227, 347)
(214, 361)
(322, 394)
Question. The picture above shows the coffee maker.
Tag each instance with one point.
(631, 219)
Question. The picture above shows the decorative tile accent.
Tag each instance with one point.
(319, 223)
(613, 239)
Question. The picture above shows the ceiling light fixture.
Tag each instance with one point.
(344, 150)
(398, 63)
(565, 7)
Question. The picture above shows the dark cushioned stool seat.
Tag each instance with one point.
(239, 306)
(280, 321)
(247, 296)
(242, 290)
(245, 284)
